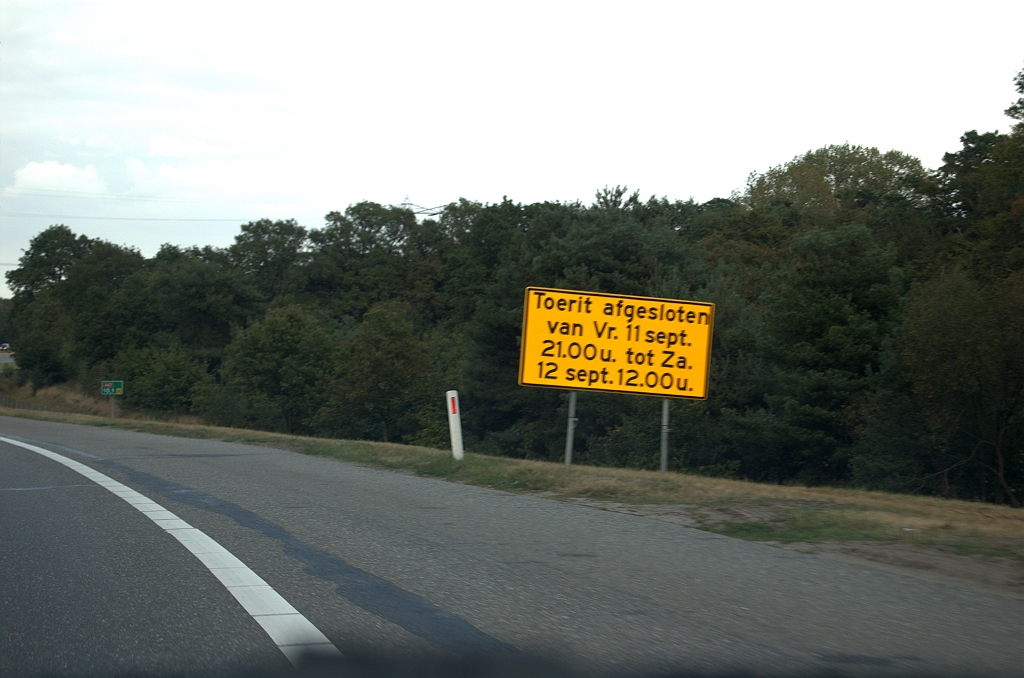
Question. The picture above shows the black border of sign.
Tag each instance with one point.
(522, 342)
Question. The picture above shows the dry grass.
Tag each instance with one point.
(793, 514)
(68, 398)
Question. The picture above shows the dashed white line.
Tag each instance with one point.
(291, 632)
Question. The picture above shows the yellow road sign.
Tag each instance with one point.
(590, 341)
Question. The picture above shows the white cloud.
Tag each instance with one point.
(176, 147)
(138, 171)
(209, 181)
(50, 175)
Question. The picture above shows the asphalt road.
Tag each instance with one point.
(392, 564)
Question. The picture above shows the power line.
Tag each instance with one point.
(15, 192)
(419, 209)
(73, 216)
(48, 193)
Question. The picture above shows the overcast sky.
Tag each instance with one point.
(143, 123)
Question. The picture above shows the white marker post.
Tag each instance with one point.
(451, 399)
(570, 429)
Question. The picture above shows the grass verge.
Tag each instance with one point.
(752, 511)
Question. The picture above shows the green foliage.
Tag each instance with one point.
(282, 360)
(382, 373)
(49, 257)
(981, 203)
(87, 294)
(445, 362)
(197, 301)
(161, 380)
(363, 257)
(5, 311)
(39, 332)
(272, 253)
(39, 327)
(962, 345)
(1016, 109)
(835, 180)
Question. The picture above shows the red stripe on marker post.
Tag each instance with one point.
(455, 409)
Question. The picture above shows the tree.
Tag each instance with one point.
(40, 333)
(37, 322)
(197, 301)
(827, 316)
(49, 257)
(963, 345)
(981, 202)
(5, 310)
(1016, 109)
(284, 359)
(273, 252)
(162, 379)
(824, 181)
(359, 258)
(90, 295)
(383, 369)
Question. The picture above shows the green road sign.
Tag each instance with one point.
(111, 388)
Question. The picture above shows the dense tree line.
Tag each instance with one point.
(870, 322)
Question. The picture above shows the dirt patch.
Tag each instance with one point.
(996, 576)
(693, 515)
(981, 574)
(713, 516)
(678, 514)
(285, 445)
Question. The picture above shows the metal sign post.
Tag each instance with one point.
(664, 435)
(111, 388)
(454, 423)
(570, 429)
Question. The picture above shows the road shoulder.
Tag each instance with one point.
(990, 575)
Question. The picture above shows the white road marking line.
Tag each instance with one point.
(45, 487)
(293, 634)
(171, 523)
